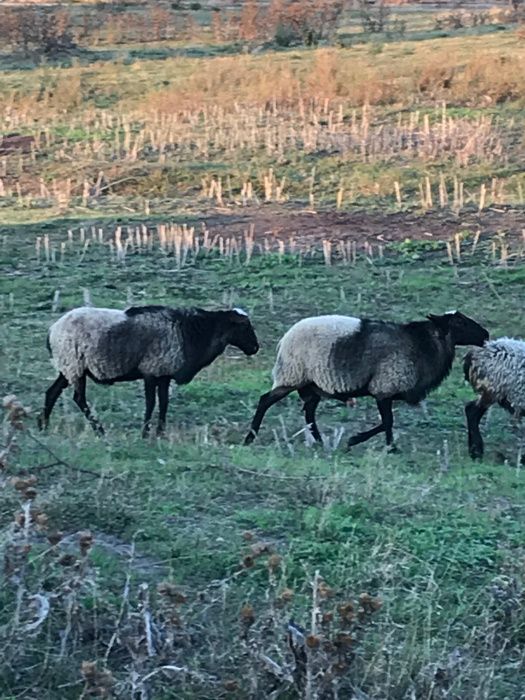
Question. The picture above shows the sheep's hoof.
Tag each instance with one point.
(476, 452)
(249, 438)
(354, 440)
(392, 449)
(41, 422)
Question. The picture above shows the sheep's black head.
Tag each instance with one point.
(239, 331)
(464, 330)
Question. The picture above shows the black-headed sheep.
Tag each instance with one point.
(496, 372)
(153, 343)
(341, 357)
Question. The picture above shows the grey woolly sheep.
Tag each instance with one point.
(496, 371)
(342, 357)
(153, 343)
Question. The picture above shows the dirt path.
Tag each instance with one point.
(361, 226)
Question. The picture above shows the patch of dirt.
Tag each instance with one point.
(364, 226)
(141, 563)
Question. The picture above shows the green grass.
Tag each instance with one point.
(426, 532)
(438, 538)
(398, 79)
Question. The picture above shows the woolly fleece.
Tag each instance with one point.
(498, 370)
(107, 344)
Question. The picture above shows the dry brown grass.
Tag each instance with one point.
(329, 101)
(114, 143)
(468, 72)
(118, 24)
(62, 625)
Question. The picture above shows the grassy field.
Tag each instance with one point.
(438, 538)
(290, 183)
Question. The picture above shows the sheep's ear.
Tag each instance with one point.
(238, 316)
(442, 322)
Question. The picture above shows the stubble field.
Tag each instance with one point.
(195, 567)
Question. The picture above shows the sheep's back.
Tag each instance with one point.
(305, 352)
(109, 344)
(75, 339)
(346, 355)
(378, 359)
(161, 342)
(498, 370)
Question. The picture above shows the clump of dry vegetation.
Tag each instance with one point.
(258, 119)
(59, 620)
(47, 30)
(34, 29)
(459, 18)
(50, 30)
(106, 160)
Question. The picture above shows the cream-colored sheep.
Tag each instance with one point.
(343, 357)
(107, 344)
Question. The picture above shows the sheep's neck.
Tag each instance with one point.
(437, 362)
(203, 342)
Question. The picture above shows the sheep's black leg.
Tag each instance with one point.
(52, 395)
(265, 402)
(150, 384)
(163, 385)
(474, 411)
(384, 406)
(366, 435)
(311, 401)
(79, 397)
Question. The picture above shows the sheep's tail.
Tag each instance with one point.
(467, 365)
(277, 367)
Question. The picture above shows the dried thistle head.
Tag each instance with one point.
(67, 560)
(247, 536)
(370, 603)
(247, 615)
(324, 590)
(85, 541)
(15, 411)
(343, 640)
(171, 592)
(23, 484)
(41, 520)
(260, 548)
(54, 537)
(346, 612)
(88, 669)
(98, 681)
(274, 562)
(313, 641)
(248, 562)
(230, 685)
(286, 595)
